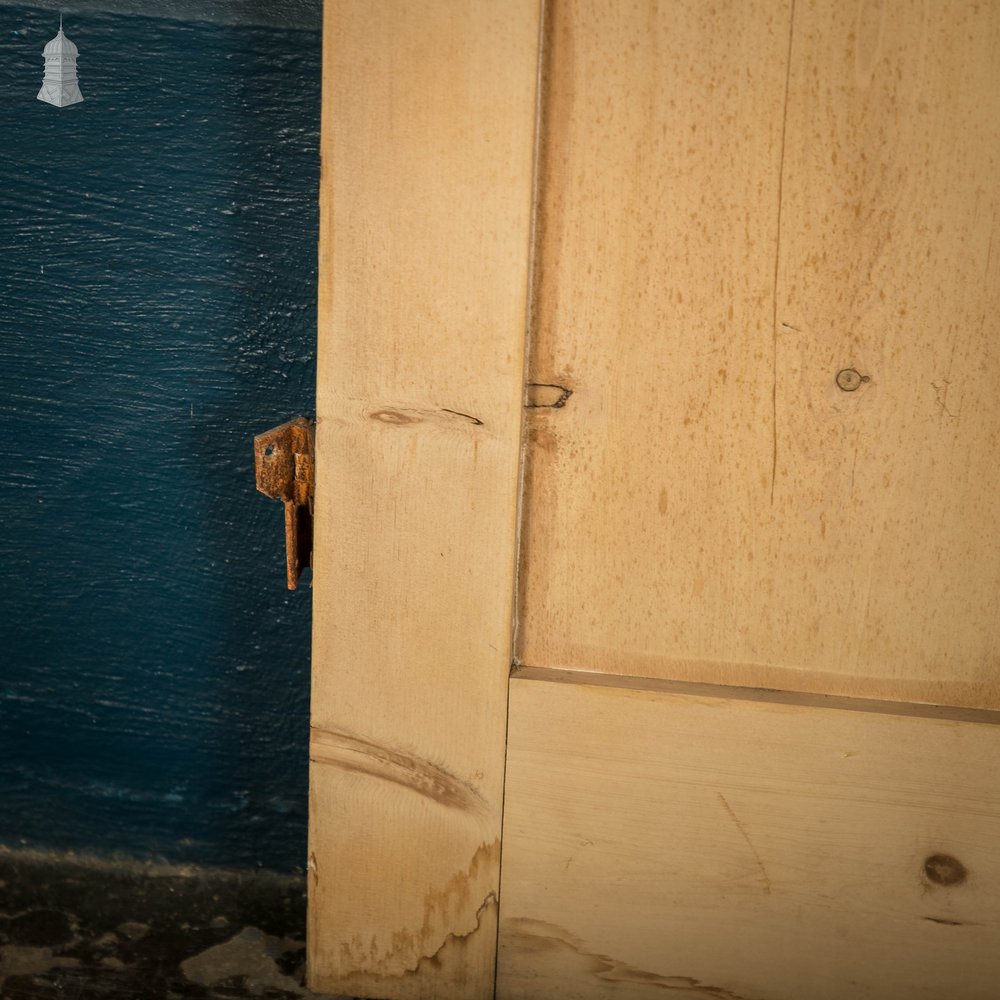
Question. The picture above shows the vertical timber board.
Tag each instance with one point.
(428, 134)
(738, 202)
(659, 174)
(666, 839)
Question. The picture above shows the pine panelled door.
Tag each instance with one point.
(656, 638)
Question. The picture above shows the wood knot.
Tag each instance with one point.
(943, 869)
(397, 417)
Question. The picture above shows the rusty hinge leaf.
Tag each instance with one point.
(284, 457)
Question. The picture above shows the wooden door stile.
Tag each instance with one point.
(427, 145)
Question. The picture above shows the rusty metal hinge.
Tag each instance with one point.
(283, 457)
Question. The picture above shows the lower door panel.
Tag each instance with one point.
(676, 840)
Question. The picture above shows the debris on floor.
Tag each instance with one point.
(105, 930)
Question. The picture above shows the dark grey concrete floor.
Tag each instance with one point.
(76, 929)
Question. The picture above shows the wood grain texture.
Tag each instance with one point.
(157, 287)
(737, 202)
(428, 133)
(663, 843)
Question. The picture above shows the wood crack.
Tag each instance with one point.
(777, 261)
(749, 842)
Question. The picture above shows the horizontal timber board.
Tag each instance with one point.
(677, 842)
(772, 696)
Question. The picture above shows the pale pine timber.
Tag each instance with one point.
(737, 202)
(666, 839)
(427, 145)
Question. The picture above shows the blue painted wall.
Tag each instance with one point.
(157, 280)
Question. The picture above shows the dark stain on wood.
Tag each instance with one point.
(452, 949)
(522, 940)
(353, 753)
(545, 395)
(453, 915)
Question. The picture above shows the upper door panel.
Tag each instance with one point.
(765, 273)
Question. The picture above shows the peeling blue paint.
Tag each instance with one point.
(157, 275)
